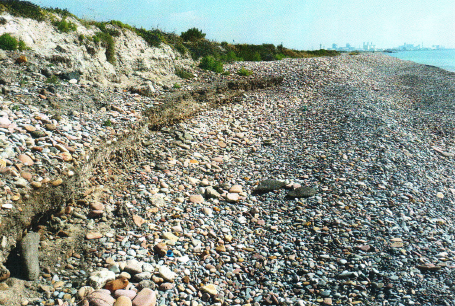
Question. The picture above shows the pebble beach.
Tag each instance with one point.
(336, 187)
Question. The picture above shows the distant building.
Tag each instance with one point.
(368, 46)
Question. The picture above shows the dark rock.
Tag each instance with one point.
(46, 72)
(29, 251)
(146, 284)
(269, 185)
(38, 134)
(70, 75)
(302, 192)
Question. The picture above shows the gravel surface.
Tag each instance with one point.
(354, 159)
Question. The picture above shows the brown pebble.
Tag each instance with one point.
(123, 301)
(36, 184)
(93, 235)
(25, 159)
(119, 283)
(196, 198)
(57, 182)
(26, 175)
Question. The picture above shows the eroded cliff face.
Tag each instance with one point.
(136, 63)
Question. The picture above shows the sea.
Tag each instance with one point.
(444, 58)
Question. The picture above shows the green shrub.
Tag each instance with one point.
(108, 122)
(108, 43)
(244, 72)
(231, 57)
(24, 9)
(203, 47)
(177, 86)
(184, 74)
(65, 26)
(153, 37)
(8, 42)
(192, 34)
(22, 46)
(279, 56)
(52, 79)
(210, 63)
(180, 48)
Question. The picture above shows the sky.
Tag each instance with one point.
(303, 25)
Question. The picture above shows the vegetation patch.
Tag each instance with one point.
(65, 26)
(244, 72)
(107, 42)
(8, 42)
(52, 79)
(23, 9)
(183, 73)
(192, 34)
(177, 86)
(210, 63)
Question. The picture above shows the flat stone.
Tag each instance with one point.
(36, 184)
(429, 267)
(222, 144)
(160, 249)
(84, 291)
(116, 284)
(26, 175)
(196, 198)
(170, 236)
(38, 134)
(166, 273)
(29, 128)
(221, 248)
(145, 297)
(302, 192)
(29, 251)
(166, 286)
(236, 189)
(93, 235)
(269, 185)
(232, 197)
(57, 182)
(96, 206)
(123, 301)
(133, 266)
(142, 276)
(98, 279)
(210, 289)
(100, 298)
(131, 294)
(66, 156)
(211, 193)
(25, 159)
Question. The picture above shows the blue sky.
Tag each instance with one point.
(297, 24)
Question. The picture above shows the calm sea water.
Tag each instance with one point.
(444, 59)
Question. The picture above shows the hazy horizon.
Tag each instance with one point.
(295, 24)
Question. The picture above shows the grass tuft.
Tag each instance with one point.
(244, 72)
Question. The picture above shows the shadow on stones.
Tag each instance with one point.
(14, 263)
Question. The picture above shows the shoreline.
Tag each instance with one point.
(371, 134)
(448, 65)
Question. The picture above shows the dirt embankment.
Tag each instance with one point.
(41, 205)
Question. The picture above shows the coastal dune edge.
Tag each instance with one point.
(334, 187)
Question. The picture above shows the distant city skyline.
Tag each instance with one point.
(370, 46)
(294, 23)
